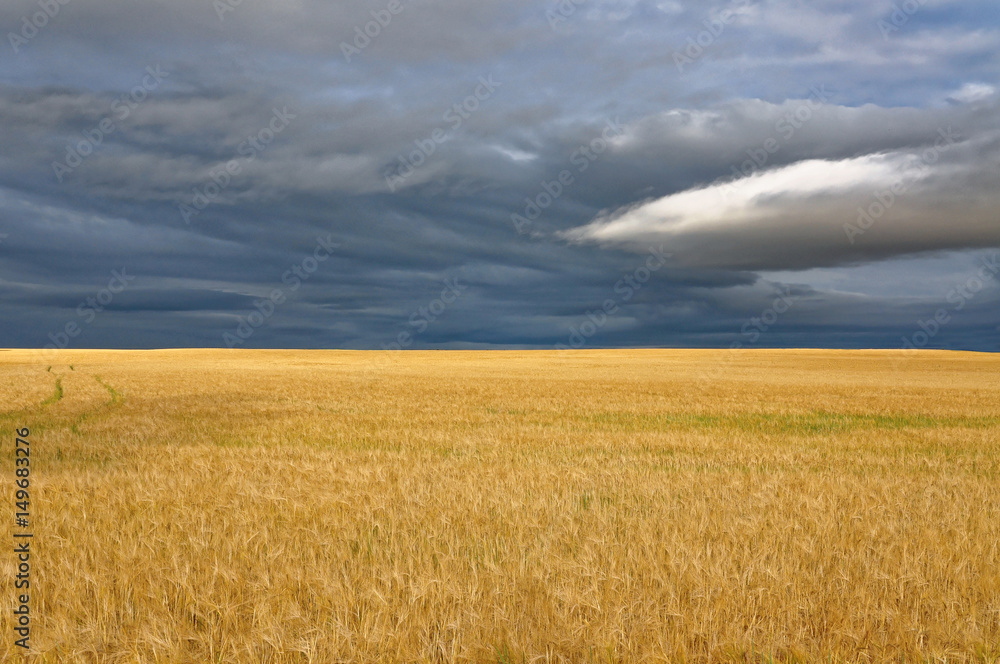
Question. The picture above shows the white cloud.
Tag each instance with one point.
(812, 212)
(514, 154)
(754, 198)
(973, 92)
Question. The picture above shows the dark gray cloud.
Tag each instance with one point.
(213, 149)
(791, 202)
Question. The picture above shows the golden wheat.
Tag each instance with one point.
(605, 506)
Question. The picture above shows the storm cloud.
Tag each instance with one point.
(333, 166)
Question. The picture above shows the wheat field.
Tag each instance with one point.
(575, 506)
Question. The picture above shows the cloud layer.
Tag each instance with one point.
(823, 212)
(535, 153)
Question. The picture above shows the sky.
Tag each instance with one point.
(500, 174)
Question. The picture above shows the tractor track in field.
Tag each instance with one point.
(114, 400)
(57, 394)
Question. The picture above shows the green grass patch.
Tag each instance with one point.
(56, 396)
(817, 423)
